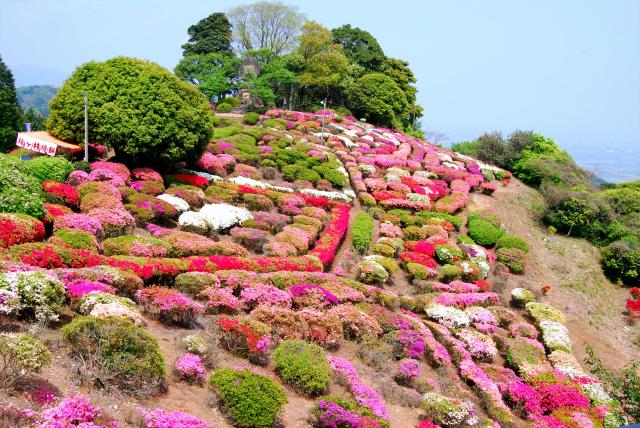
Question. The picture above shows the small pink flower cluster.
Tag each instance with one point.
(464, 300)
(73, 411)
(80, 287)
(190, 367)
(410, 368)
(264, 294)
(147, 174)
(220, 299)
(169, 305)
(160, 418)
(364, 395)
(79, 221)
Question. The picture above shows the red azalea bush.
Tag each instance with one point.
(51, 257)
(65, 191)
(420, 258)
(246, 337)
(19, 229)
(190, 179)
(326, 247)
(633, 307)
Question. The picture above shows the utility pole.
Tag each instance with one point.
(86, 127)
(324, 108)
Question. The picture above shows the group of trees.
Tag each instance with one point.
(283, 60)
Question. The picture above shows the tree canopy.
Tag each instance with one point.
(209, 35)
(360, 47)
(271, 25)
(146, 113)
(214, 74)
(9, 108)
(378, 98)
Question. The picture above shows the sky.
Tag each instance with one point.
(569, 69)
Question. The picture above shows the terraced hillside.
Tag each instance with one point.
(309, 270)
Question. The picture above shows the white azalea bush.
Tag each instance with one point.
(555, 336)
(31, 294)
(447, 411)
(522, 296)
(178, 203)
(447, 315)
(104, 305)
(224, 216)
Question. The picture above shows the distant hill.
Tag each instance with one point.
(36, 97)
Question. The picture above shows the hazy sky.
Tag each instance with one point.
(568, 69)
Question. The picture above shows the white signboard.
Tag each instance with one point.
(36, 144)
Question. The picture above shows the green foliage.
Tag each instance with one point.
(621, 261)
(209, 35)
(38, 295)
(9, 108)
(469, 148)
(303, 365)
(128, 98)
(544, 312)
(514, 258)
(623, 384)
(378, 98)
(250, 399)
(213, 73)
(251, 118)
(224, 108)
(360, 47)
(49, 168)
(361, 232)
(512, 241)
(74, 238)
(117, 353)
(484, 232)
(21, 355)
(36, 97)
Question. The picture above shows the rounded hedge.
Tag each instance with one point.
(224, 108)
(251, 400)
(251, 118)
(512, 241)
(117, 352)
(621, 261)
(141, 109)
(303, 365)
(484, 232)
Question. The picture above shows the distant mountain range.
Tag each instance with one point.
(36, 97)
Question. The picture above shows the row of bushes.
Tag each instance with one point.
(361, 232)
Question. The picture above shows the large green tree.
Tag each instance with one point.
(214, 74)
(378, 98)
(325, 64)
(141, 109)
(360, 47)
(210, 35)
(9, 109)
(271, 25)
(400, 72)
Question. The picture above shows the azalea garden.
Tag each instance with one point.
(272, 267)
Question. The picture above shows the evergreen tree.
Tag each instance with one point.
(210, 35)
(9, 109)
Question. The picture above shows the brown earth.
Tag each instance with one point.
(594, 306)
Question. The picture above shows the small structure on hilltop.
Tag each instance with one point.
(45, 143)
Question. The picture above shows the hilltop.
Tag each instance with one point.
(413, 277)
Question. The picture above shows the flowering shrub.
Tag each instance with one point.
(190, 367)
(31, 294)
(160, 418)
(407, 370)
(246, 337)
(447, 412)
(18, 229)
(220, 299)
(253, 239)
(264, 294)
(79, 221)
(67, 193)
(114, 221)
(169, 305)
(74, 411)
(326, 247)
(80, 287)
(190, 179)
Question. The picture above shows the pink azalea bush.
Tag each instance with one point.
(190, 367)
(161, 418)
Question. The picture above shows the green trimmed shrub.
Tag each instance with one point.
(74, 238)
(513, 258)
(116, 354)
(417, 271)
(224, 108)
(194, 282)
(303, 365)
(251, 118)
(544, 312)
(50, 168)
(383, 250)
(484, 232)
(361, 232)
(20, 355)
(250, 399)
(512, 241)
(455, 220)
(226, 131)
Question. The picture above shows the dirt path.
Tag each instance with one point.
(593, 305)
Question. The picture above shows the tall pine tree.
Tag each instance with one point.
(9, 108)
